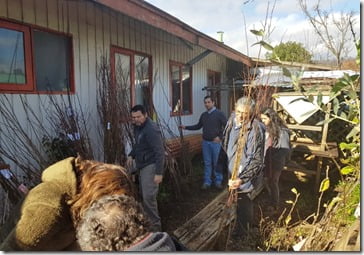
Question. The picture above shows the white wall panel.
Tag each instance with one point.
(15, 9)
(95, 28)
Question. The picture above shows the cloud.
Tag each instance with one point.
(288, 21)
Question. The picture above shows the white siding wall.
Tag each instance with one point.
(94, 29)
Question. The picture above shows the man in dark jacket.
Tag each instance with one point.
(148, 152)
(244, 139)
(212, 122)
(117, 223)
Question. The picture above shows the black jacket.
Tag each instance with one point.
(148, 147)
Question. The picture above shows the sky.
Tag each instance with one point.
(237, 17)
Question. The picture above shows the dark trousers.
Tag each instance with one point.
(244, 213)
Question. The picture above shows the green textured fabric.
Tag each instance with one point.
(45, 221)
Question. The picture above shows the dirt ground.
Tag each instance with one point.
(175, 213)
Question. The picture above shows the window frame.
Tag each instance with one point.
(30, 86)
(180, 65)
(131, 53)
(28, 66)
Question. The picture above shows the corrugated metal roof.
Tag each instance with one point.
(335, 74)
(273, 76)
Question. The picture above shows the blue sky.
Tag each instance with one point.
(232, 16)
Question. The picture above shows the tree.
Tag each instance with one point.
(333, 31)
(290, 51)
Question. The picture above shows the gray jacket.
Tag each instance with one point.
(251, 164)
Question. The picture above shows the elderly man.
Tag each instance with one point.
(244, 138)
(117, 223)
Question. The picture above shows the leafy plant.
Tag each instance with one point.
(290, 51)
(323, 231)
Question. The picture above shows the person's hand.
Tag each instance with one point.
(158, 178)
(234, 184)
(182, 127)
(217, 139)
(129, 162)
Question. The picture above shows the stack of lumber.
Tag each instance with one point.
(202, 232)
(191, 142)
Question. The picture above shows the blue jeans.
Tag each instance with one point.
(210, 152)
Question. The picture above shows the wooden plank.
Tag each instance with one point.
(4, 8)
(298, 93)
(325, 127)
(41, 13)
(305, 127)
(114, 31)
(350, 240)
(29, 12)
(293, 166)
(14, 9)
(52, 14)
(192, 141)
(199, 232)
(315, 149)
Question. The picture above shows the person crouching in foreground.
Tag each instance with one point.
(52, 209)
(118, 223)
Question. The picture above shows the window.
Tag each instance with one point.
(213, 80)
(45, 67)
(181, 88)
(132, 73)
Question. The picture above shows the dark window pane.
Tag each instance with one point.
(186, 90)
(176, 92)
(51, 61)
(142, 92)
(12, 64)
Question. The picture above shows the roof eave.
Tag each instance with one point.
(155, 17)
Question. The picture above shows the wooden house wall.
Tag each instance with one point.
(94, 29)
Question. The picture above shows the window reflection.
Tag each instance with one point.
(142, 90)
(12, 63)
(181, 88)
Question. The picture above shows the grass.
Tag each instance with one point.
(345, 214)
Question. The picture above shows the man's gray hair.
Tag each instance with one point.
(112, 223)
(246, 101)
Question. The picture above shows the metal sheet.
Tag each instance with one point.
(300, 110)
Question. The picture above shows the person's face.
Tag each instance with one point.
(242, 113)
(265, 119)
(138, 118)
(208, 103)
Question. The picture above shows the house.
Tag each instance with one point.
(55, 47)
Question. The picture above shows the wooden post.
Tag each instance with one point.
(325, 128)
(323, 146)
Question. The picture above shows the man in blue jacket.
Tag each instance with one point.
(148, 153)
(212, 122)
